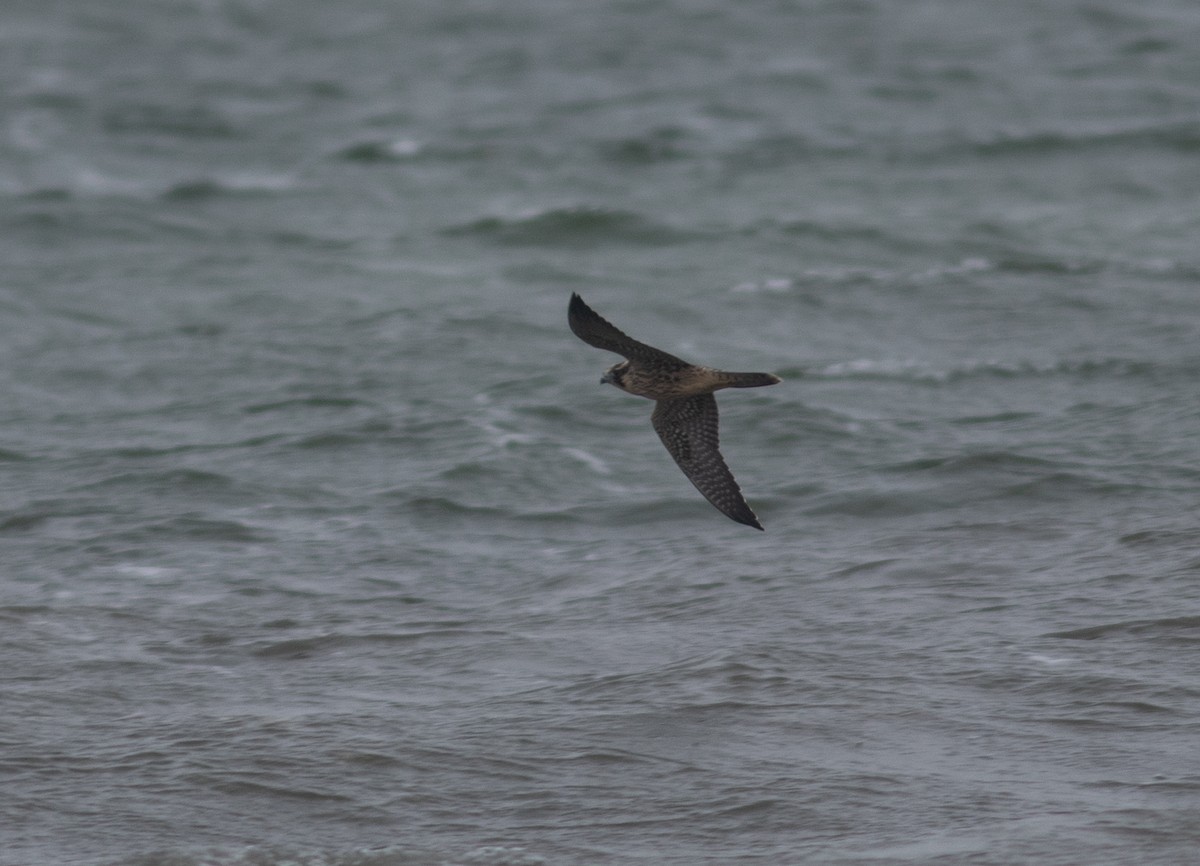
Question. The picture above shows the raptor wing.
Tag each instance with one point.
(688, 427)
(597, 331)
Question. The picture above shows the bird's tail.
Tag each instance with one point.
(748, 380)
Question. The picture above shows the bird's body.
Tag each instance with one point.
(658, 383)
(685, 415)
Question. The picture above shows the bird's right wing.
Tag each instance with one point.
(597, 331)
(688, 427)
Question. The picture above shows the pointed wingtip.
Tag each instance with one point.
(744, 516)
(577, 309)
(591, 327)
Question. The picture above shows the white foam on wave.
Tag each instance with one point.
(771, 284)
(1049, 661)
(403, 148)
(886, 368)
(256, 181)
(924, 371)
(148, 572)
(841, 274)
(493, 421)
(496, 855)
(588, 459)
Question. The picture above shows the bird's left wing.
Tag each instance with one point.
(688, 427)
(597, 331)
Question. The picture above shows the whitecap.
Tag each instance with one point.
(590, 460)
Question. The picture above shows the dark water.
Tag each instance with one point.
(320, 544)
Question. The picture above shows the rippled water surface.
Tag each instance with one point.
(320, 544)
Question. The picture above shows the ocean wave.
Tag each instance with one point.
(779, 150)
(148, 451)
(1182, 136)
(831, 230)
(1188, 539)
(230, 184)
(859, 274)
(590, 460)
(183, 121)
(573, 227)
(984, 461)
(306, 647)
(1178, 629)
(656, 146)
(442, 507)
(925, 372)
(1064, 485)
(372, 150)
(997, 257)
(32, 517)
(381, 150)
(186, 528)
(878, 503)
(380, 855)
(184, 480)
(85, 182)
(336, 403)
(940, 484)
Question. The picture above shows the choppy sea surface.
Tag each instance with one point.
(321, 544)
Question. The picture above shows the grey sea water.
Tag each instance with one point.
(321, 544)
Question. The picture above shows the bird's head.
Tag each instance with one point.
(615, 375)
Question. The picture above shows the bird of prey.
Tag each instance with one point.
(685, 411)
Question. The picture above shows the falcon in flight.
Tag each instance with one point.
(685, 411)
